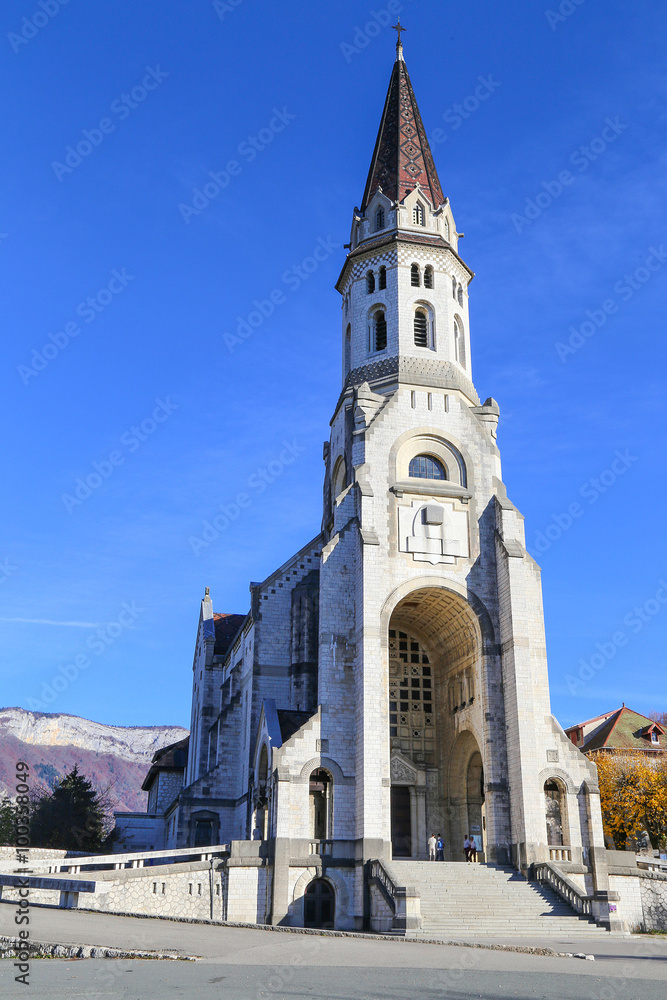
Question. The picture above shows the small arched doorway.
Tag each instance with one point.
(319, 905)
(553, 809)
(320, 804)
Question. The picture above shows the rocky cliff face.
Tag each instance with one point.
(115, 758)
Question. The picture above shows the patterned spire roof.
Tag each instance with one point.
(402, 156)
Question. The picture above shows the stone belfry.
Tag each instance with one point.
(432, 677)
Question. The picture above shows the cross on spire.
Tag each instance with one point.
(398, 27)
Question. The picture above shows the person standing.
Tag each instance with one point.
(431, 847)
(440, 849)
(466, 847)
(473, 848)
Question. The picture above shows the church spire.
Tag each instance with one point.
(402, 157)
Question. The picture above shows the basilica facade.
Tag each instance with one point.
(389, 680)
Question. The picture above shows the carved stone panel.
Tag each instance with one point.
(433, 531)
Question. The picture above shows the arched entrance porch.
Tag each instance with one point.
(434, 690)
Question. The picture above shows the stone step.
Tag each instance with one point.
(472, 899)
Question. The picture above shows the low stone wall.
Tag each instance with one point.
(382, 915)
(653, 887)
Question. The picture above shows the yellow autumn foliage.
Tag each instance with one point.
(633, 795)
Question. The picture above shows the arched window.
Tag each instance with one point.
(320, 794)
(421, 328)
(447, 229)
(428, 277)
(415, 279)
(339, 477)
(382, 278)
(379, 331)
(459, 295)
(348, 349)
(453, 287)
(379, 219)
(426, 467)
(418, 214)
(459, 343)
(554, 813)
(370, 282)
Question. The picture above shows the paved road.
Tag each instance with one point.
(242, 964)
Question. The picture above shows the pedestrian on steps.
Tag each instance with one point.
(473, 848)
(440, 849)
(431, 847)
(466, 847)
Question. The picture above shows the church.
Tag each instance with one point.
(389, 681)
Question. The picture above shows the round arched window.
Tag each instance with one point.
(426, 467)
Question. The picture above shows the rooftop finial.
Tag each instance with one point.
(399, 44)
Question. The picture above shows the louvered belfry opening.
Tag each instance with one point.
(421, 329)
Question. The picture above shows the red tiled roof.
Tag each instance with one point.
(226, 627)
(402, 156)
(623, 730)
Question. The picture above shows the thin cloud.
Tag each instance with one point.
(47, 621)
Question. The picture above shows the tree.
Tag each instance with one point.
(659, 717)
(633, 796)
(6, 822)
(72, 817)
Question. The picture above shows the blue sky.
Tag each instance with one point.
(134, 295)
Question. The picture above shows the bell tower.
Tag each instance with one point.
(404, 285)
(432, 674)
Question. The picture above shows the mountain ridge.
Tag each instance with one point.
(115, 759)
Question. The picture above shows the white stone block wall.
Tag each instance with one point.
(247, 898)
(629, 906)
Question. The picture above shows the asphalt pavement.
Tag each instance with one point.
(248, 964)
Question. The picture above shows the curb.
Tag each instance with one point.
(24, 951)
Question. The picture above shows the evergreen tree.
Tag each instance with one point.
(6, 822)
(71, 818)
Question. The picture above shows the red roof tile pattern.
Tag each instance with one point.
(402, 156)
(226, 627)
(625, 730)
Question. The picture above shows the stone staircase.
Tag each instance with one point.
(466, 900)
